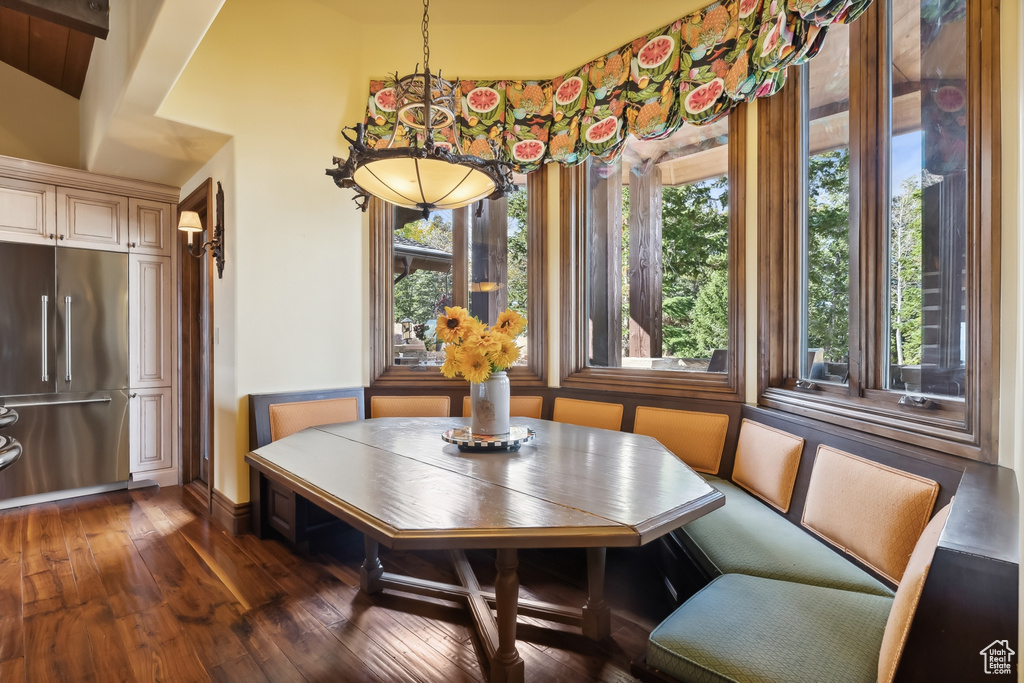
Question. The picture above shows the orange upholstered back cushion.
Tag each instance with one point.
(767, 460)
(288, 418)
(697, 438)
(518, 406)
(873, 512)
(907, 596)
(409, 406)
(588, 413)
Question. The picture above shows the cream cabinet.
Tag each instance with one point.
(149, 227)
(92, 220)
(150, 321)
(27, 211)
(151, 430)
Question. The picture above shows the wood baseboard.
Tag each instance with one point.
(234, 517)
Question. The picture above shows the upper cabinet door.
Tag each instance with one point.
(149, 227)
(27, 212)
(92, 220)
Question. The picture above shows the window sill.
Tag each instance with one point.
(716, 386)
(943, 429)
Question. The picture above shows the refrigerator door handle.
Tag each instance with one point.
(67, 338)
(46, 305)
(72, 402)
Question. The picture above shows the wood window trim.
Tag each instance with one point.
(966, 427)
(382, 370)
(573, 369)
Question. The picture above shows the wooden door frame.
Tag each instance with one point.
(195, 351)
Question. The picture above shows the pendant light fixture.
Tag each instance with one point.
(422, 165)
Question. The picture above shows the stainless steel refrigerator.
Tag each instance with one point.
(64, 366)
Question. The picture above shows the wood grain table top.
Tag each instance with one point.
(395, 479)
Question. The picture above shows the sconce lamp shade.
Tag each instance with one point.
(189, 222)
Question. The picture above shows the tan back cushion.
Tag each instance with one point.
(767, 460)
(873, 512)
(526, 406)
(696, 438)
(288, 418)
(409, 406)
(907, 596)
(588, 413)
(518, 406)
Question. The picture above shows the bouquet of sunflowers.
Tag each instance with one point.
(474, 350)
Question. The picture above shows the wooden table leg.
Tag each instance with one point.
(370, 572)
(256, 503)
(507, 665)
(597, 616)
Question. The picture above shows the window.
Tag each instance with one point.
(655, 265)
(482, 258)
(873, 317)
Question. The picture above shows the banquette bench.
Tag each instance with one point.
(807, 535)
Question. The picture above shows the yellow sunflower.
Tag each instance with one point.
(485, 341)
(506, 355)
(452, 361)
(455, 323)
(475, 367)
(510, 323)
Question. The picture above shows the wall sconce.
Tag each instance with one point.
(189, 223)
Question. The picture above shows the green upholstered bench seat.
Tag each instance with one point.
(747, 537)
(744, 629)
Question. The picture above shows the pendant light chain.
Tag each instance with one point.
(426, 36)
(428, 82)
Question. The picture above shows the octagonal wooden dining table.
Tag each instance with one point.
(397, 482)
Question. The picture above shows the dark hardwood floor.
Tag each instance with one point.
(136, 586)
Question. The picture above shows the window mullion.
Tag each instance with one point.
(460, 266)
(869, 198)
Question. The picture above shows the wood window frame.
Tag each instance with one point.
(967, 427)
(383, 371)
(574, 371)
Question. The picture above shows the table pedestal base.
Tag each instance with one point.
(495, 614)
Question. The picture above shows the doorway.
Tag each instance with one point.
(195, 348)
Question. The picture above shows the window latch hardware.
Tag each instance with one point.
(921, 402)
(806, 385)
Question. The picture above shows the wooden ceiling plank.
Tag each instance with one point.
(14, 39)
(47, 47)
(76, 63)
(91, 17)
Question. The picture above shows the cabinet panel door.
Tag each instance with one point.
(150, 324)
(27, 211)
(149, 227)
(150, 430)
(92, 220)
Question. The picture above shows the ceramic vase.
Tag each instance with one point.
(489, 404)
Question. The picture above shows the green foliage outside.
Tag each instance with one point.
(828, 266)
(905, 286)
(828, 258)
(517, 272)
(695, 263)
(421, 296)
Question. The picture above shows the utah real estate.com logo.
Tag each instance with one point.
(998, 656)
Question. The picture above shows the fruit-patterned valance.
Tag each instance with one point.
(692, 71)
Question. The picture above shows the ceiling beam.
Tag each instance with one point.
(91, 17)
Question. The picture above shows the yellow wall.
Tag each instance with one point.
(37, 121)
(289, 310)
